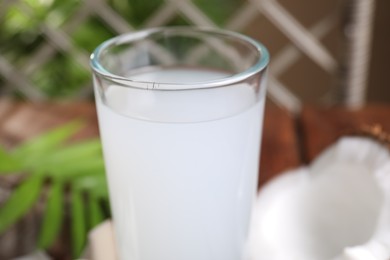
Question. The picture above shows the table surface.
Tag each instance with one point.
(288, 141)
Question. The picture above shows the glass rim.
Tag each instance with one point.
(257, 67)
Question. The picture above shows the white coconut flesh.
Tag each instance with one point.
(336, 208)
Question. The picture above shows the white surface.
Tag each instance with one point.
(101, 242)
(338, 206)
(182, 168)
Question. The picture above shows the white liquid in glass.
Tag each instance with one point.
(182, 167)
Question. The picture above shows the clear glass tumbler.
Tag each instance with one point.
(180, 115)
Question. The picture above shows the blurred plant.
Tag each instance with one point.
(59, 173)
(22, 35)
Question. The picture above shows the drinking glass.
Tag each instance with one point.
(180, 114)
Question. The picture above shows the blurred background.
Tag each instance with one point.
(315, 45)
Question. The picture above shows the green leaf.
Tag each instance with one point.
(46, 142)
(95, 184)
(90, 183)
(20, 201)
(95, 212)
(100, 192)
(90, 166)
(53, 216)
(78, 225)
(75, 152)
(8, 164)
(83, 158)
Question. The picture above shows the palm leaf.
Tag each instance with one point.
(45, 143)
(53, 216)
(21, 200)
(90, 166)
(8, 164)
(78, 225)
(96, 185)
(95, 212)
(70, 154)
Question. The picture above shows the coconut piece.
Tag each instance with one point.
(336, 207)
(101, 242)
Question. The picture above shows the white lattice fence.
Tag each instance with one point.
(57, 36)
